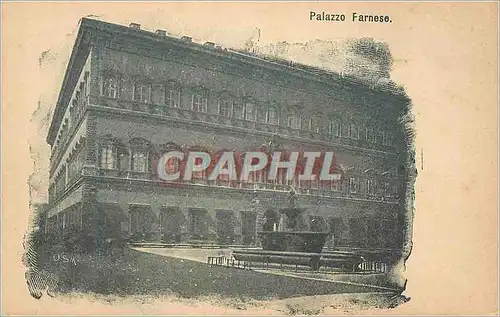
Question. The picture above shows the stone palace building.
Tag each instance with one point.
(130, 95)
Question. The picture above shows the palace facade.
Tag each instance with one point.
(129, 96)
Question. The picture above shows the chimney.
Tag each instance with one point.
(186, 38)
(161, 32)
(209, 44)
(135, 26)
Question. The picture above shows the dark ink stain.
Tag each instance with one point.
(43, 57)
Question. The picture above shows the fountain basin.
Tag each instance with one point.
(342, 260)
(293, 241)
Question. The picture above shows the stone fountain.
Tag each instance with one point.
(285, 244)
(286, 237)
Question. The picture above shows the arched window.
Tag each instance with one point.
(172, 95)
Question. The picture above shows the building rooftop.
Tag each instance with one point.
(185, 41)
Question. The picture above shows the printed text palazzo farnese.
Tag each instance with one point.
(353, 17)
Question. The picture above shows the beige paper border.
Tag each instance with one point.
(446, 57)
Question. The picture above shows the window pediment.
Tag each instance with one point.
(169, 146)
(139, 143)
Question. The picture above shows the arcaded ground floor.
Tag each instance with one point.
(220, 216)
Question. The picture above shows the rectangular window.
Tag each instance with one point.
(140, 220)
(110, 87)
(294, 121)
(86, 83)
(142, 92)
(334, 128)
(172, 97)
(78, 98)
(199, 102)
(390, 140)
(81, 93)
(122, 158)
(272, 116)
(107, 157)
(248, 226)
(386, 187)
(60, 182)
(72, 115)
(336, 226)
(223, 180)
(379, 137)
(225, 108)
(386, 139)
(198, 223)
(370, 135)
(139, 161)
(346, 130)
(394, 190)
(199, 174)
(353, 185)
(250, 113)
(354, 132)
(370, 187)
(313, 124)
(172, 165)
(335, 185)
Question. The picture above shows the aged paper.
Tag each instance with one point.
(399, 100)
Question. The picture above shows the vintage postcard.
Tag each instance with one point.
(249, 158)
